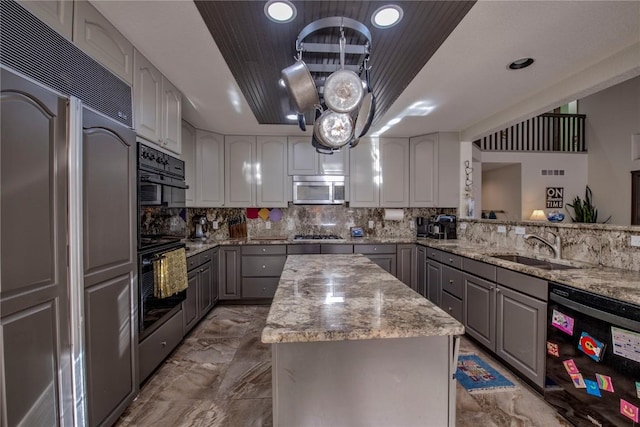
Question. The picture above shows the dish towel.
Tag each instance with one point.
(170, 273)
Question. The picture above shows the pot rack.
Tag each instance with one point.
(321, 54)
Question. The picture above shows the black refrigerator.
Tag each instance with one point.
(593, 358)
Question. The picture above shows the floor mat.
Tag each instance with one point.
(476, 376)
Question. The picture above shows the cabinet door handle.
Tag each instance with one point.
(490, 288)
(497, 290)
(201, 270)
(163, 343)
(451, 281)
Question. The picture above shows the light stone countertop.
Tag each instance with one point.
(348, 297)
(615, 283)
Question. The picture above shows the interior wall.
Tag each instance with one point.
(501, 188)
(613, 117)
(534, 183)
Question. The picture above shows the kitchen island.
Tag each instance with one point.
(352, 345)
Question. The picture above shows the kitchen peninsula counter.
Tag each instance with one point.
(352, 345)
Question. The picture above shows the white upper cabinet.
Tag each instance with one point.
(209, 169)
(147, 94)
(379, 173)
(157, 105)
(189, 158)
(394, 172)
(304, 160)
(424, 171)
(58, 14)
(95, 35)
(364, 183)
(239, 161)
(271, 178)
(171, 117)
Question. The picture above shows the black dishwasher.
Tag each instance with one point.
(593, 358)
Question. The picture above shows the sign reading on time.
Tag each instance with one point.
(555, 197)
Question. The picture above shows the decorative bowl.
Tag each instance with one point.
(555, 216)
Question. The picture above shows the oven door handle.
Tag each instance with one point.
(149, 261)
(169, 182)
(595, 313)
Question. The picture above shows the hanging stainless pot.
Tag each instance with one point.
(333, 130)
(343, 89)
(367, 110)
(301, 86)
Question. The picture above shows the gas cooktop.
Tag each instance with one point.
(303, 237)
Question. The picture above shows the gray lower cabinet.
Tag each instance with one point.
(229, 274)
(384, 255)
(303, 249)
(521, 325)
(406, 265)
(157, 346)
(261, 270)
(421, 270)
(336, 248)
(480, 310)
(434, 285)
(202, 292)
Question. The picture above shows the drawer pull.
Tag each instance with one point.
(264, 266)
(375, 249)
(201, 270)
(163, 343)
(264, 249)
(450, 309)
(264, 289)
(450, 259)
(451, 281)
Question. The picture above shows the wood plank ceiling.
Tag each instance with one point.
(257, 49)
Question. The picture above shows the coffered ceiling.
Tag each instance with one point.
(256, 48)
(463, 84)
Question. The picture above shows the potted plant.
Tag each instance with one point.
(584, 210)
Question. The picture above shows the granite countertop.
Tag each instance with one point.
(348, 297)
(615, 283)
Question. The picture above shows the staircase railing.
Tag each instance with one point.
(546, 132)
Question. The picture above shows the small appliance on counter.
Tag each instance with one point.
(357, 232)
(200, 223)
(437, 226)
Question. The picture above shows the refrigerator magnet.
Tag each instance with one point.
(626, 343)
(604, 382)
(562, 322)
(638, 389)
(628, 410)
(578, 381)
(592, 388)
(571, 367)
(591, 346)
(552, 349)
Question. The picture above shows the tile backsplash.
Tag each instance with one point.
(295, 219)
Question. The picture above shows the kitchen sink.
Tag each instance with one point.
(537, 263)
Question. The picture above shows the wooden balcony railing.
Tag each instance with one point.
(546, 132)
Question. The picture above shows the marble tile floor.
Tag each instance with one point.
(220, 375)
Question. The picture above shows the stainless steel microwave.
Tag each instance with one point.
(319, 190)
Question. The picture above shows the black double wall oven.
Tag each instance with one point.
(160, 184)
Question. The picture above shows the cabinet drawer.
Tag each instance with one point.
(193, 261)
(206, 256)
(479, 268)
(452, 260)
(452, 281)
(154, 349)
(452, 306)
(263, 266)
(374, 249)
(303, 249)
(434, 254)
(528, 285)
(336, 249)
(264, 250)
(259, 287)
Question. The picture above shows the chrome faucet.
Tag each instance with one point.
(556, 246)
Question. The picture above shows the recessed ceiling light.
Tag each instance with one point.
(386, 16)
(281, 11)
(520, 63)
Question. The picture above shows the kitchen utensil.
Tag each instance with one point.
(300, 85)
(367, 110)
(343, 89)
(302, 122)
(333, 130)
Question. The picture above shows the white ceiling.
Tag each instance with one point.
(580, 47)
